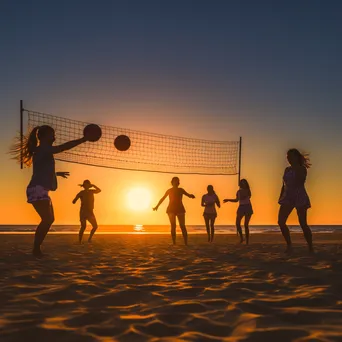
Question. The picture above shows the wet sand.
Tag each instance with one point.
(140, 288)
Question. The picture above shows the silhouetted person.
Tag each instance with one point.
(243, 196)
(293, 195)
(87, 208)
(176, 208)
(38, 150)
(209, 202)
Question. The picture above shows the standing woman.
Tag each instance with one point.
(38, 151)
(293, 195)
(176, 208)
(209, 201)
(243, 196)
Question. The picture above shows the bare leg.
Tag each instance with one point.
(302, 216)
(181, 220)
(45, 211)
(92, 220)
(172, 218)
(238, 225)
(247, 219)
(82, 229)
(212, 227)
(284, 213)
(206, 219)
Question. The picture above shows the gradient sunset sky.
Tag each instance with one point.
(269, 71)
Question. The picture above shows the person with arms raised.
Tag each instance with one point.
(87, 208)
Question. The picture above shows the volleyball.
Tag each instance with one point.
(92, 132)
(122, 142)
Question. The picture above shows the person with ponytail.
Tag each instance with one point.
(293, 195)
(243, 196)
(209, 201)
(38, 151)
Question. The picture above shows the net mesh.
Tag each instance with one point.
(148, 151)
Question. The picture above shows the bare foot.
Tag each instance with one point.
(288, 250)
(37, 253)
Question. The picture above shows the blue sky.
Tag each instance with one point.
(267, 70)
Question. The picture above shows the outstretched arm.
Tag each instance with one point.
(63, 174)
(188, 195)
(231, 199)
(97, 190)
(68, 145)
(161, 201)
(76, 198)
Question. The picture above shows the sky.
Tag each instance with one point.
(269, 71)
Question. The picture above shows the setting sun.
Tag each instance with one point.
(138, 199)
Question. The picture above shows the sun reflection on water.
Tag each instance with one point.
(139, 228)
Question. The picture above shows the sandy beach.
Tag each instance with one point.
(140, 287)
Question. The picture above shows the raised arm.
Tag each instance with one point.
(68, 145)
(76, 198)
(161, 201)
(97, 190)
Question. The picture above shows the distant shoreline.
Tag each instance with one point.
(162, 233)
(164, 229)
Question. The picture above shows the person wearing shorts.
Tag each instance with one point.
(87, 208)
(209, 202)
(38, 151)
(293, 195)
(176, 208)
(243, 196)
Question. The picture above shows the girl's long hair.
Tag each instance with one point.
(24, 152)
(244, 185)
(211, 188)
(303, 159)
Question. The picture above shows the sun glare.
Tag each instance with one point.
(138, 199)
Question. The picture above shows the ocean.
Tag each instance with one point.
(162, 229)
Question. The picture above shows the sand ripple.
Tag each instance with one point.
(139, 288)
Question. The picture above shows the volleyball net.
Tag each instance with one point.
(148, 152)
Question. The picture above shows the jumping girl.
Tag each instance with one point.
(39, 151)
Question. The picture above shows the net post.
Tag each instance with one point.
(240, 147)
(21, 133)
